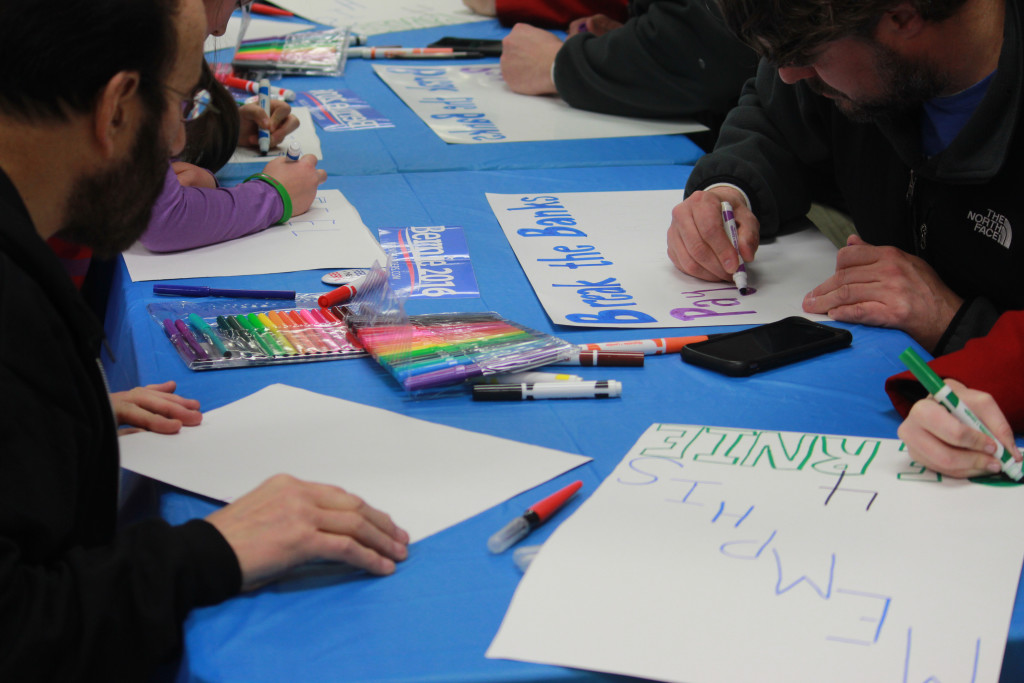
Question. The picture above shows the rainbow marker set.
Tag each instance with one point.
(314, 53)
(436, 350)
(229, 335)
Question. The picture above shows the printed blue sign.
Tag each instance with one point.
(429, 262)
(336, 110)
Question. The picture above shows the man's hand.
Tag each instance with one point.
(154, 408)
(527, 55)
(697, 241)
(597, 24)
(280, 123)
(886, 287)
(285, 522)
(301, 178)
(942, 443)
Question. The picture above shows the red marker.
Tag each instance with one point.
(260, 8)
(253, 87)
(518, 528)
(341, 294)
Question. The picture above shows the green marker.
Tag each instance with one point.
(207, 331)
(242, 321)
(941, 392)
(261, 331)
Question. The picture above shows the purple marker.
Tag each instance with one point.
(186, 290)
(179, 343)
(191, 340)
(442, 377)
(740, 276)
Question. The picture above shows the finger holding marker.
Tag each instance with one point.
(942, 443)
(279, 122)
(697, 243)
(1008, 458)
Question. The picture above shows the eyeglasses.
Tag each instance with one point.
(195, 105)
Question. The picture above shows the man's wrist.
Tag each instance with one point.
(733, 191)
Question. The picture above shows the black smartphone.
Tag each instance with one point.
(763, 347)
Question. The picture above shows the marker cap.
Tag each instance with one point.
(508, 535)
(552, 503)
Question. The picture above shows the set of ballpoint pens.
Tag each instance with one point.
(228, 333)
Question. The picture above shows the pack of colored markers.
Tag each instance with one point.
(428, 352)
(232, 333)
(308, 53)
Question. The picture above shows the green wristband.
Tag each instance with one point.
(285, 198)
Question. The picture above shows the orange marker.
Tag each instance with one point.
(648, 347)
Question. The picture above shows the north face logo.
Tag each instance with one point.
(993, 225)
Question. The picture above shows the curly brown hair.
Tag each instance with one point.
(788, 31)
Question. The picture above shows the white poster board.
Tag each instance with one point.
(371, 17)
(599, 259)
(305, 135)
(425, 475)
(730, 555)
(471, 104)
(330, 235)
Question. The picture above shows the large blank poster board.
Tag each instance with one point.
(719, 554)
(600, 259)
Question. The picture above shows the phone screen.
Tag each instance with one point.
(766, 346)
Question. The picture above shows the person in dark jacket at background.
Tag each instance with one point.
(671, 59)
(907, 116)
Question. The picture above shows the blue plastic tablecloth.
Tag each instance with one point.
(412, 146)
(433, 620)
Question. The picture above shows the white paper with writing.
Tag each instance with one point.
(371, 17)
(730, 555)
(471, 104)
(330, 235)
(599, 259)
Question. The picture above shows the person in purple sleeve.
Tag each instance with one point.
(193, 210)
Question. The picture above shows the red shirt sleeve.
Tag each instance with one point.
(557, 13)
(993, 364)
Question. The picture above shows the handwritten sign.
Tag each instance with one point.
(717, 554)
(599, 259)
(371, 17)
(472, 104)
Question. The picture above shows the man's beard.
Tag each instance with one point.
(907, 84)
(109, 211)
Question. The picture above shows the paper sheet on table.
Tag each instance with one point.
(305, 135)
(426, 476)
(471, 104)
(729, 555)
(371, 17)
(258, 28)
(330, 235)
(598, 259)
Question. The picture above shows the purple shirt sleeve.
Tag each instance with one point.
(190, 217)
